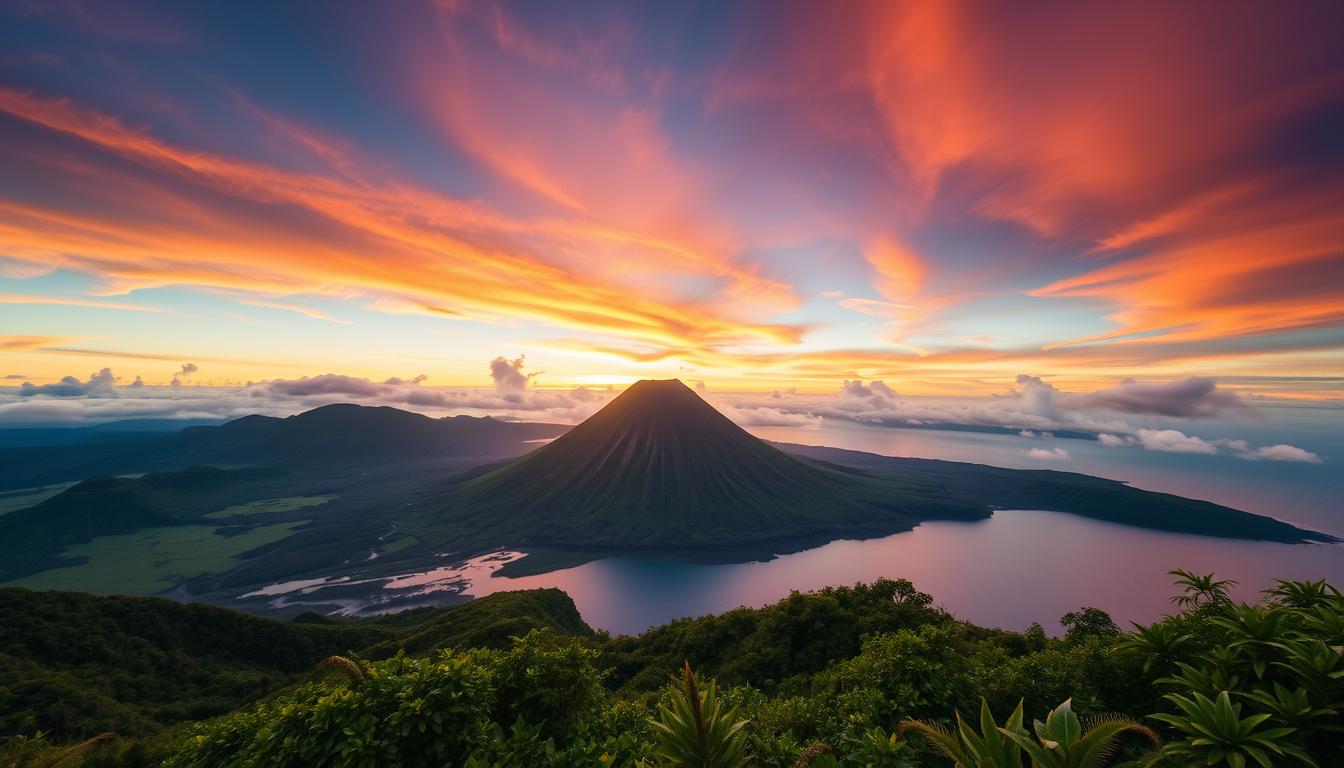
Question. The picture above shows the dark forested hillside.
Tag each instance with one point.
(76, 664)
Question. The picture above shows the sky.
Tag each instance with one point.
(789, 199)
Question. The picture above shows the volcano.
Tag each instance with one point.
(660, 467)
(659, 471)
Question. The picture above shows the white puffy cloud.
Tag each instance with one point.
(1282, 452)
(510, 381)
(875, 393)
(1049, 454)
(1173, 441)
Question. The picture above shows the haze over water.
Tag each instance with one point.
(1020, 566)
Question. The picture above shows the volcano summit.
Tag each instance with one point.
(660, 467)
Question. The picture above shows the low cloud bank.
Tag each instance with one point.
(104, 397)
(514, 394)
(1176, 441)
(100, 384)
(1034, 408)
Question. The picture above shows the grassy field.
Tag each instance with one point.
(27, 497)
(268, 506)
(397, 544)
(153, 560)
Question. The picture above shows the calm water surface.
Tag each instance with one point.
(1019, 566)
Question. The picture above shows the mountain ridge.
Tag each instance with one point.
(341, 434)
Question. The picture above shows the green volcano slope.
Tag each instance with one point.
(658, 467)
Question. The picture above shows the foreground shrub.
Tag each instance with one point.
(499, 706)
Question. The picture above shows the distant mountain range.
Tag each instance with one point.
(330, 436)
(33, 436)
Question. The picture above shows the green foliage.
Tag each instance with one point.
(818, 679)
(1256, 684)
(1161, 644)
(694, 730)
(1087, 622)
(489, 622)
(775, 648)
(1064, 741)
(990, 747)
(517, 706)
(1217, 734)
(922, 672)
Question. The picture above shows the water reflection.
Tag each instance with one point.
(1016, 568)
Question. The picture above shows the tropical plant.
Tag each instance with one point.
(695, 731)
(877, 748)
(1217, 734)
(991, 747)
(1206, 678)
(1162, 642)
(1064, 741)
(1200, 590)
(1316, 665)
(1256, 631)
(1303, 594)
(1296, 708)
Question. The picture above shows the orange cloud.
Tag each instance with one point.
(28, 343)
(1242, 270)
(901, 273)
(392, 239)
(10, 298)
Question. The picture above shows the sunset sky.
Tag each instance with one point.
(758, 196)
